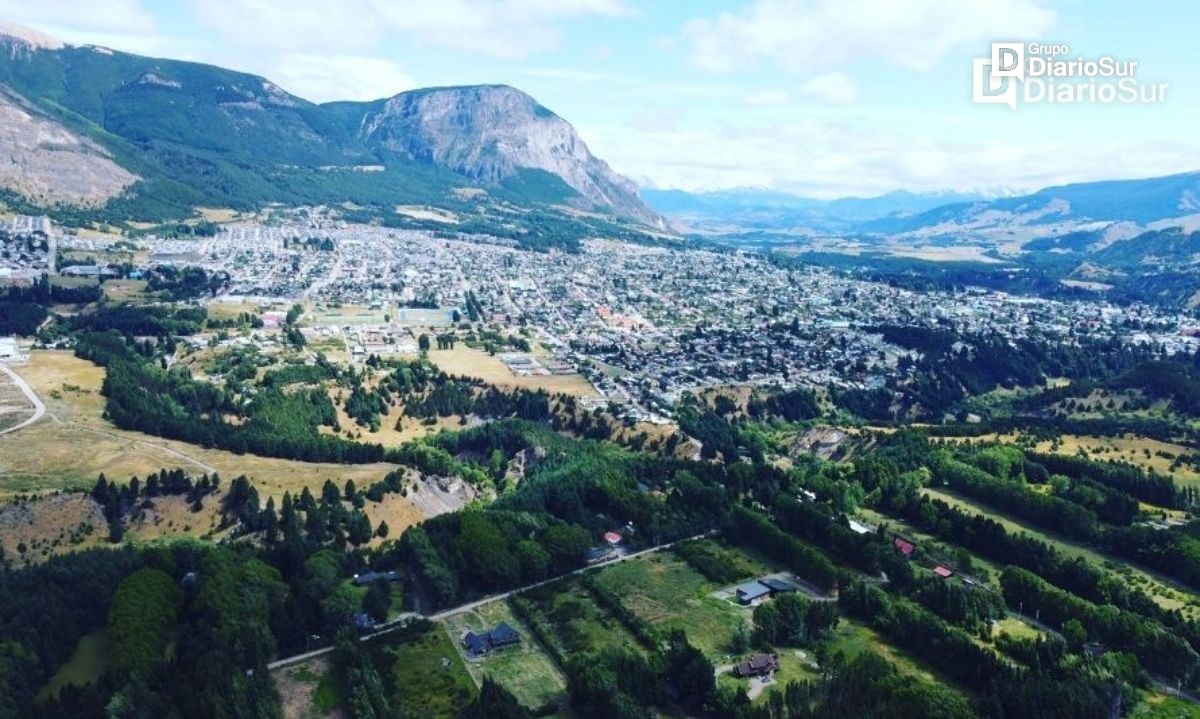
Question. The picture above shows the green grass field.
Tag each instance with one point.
(84, 666)
(738, 562)
(792, 668)
(1155, 705)
(329, 693)
(526, 671)
(578, 624)
(429, 675)
(1016, 628)
(664, 591)
(311, 690)
(852, 638)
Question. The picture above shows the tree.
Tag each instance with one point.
(359, 530)
(423, 342)
(377, 601)
(268, 522)
(534, 561)
(339, 606)
(484, 549)
(494, 702)
(739, 642)
(141, 621)
(688, 669)
(1074, 633)
(566, 545)
(368, 698)
(20, 677)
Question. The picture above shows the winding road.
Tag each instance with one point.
(39, 408)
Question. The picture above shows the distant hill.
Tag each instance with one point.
(1143, 203)
(1138, 201)
(165, 136)
(759, 209)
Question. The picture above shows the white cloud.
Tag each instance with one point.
(322, 78)
(836, 158)
(503, 29)
(773, 97)
(808, 36)
(76, 17)
(662, 119)
(835, 88)
(301, 26)
(632, 82)
(507, 29)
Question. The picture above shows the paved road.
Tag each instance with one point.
(39, 409)
(445, 613)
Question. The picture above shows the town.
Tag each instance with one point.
(655, 324)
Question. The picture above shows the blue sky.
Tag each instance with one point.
(821, 98)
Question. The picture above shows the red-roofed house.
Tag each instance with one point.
(612, 537)
(906, 547)
(943, 572)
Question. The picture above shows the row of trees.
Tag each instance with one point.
(1156, 648)
(1175, 552)
(898, 493)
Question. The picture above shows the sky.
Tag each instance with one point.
(820, 98)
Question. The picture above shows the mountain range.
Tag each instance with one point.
(86, 125)
(1134, 204)
(720, 211)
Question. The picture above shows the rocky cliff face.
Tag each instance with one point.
(40, 159)
(490, 132)
(44, 162)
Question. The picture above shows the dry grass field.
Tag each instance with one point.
(352, 315)
(1128, 448)
(411, 427)
(74, 443)
(123, 290)
(399, 512)
(218, 214)
(36, 530)
(222, 310)
(14, 406)
(33, 530)
(468, 362)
